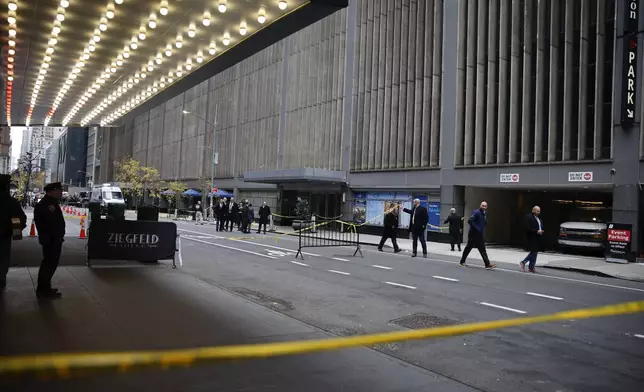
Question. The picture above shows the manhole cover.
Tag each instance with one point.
(264, 299)
(423, 320)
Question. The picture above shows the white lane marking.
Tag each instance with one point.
(639, 336)
(502, 307)
(545, 296)
(400, 285)
(339, 259)
(298, 263)
(339, 272)
(523, 273)
(252, 243)
(278, 253)
(231, 248)
(444, 278)
(381, 267)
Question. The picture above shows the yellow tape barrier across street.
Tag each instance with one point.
(63, 364)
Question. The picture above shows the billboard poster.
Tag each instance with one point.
(618, 242)
(375, 210)
(359, 211)
(434, 211)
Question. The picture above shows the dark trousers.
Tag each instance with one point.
(531, 259)
(220, 222)
(259, 229)
(455, 239)
(475, 240)
(245, 226)
(5, 259)
(51, 257)
(386, 234)
(419, 234)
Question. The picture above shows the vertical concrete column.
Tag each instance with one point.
(420, 54)
(402, 96)
(583, 79)
(373, 96)
(470, 81)
(553, 98)
(515, 82)
(349, 86)
(389, 71)
(568, 80)
(395, 85)
(527, 131)
(411, 86)
(437, 80)
(492, 91)
(481, 59)
(382, 37)
(600, 51)
(358, 117)
(428, 59)
(452, 196)
(368, 68)
(504, 62)
(452, 31)
(461, 50)
(540, 109)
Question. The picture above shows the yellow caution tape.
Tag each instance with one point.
(62, 364)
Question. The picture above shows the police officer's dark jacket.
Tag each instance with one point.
(49, 220)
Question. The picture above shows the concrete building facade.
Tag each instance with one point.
(37, 139)
(517, 102)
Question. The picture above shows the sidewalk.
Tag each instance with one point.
(512, 256)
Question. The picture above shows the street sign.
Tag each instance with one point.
(629, 64)
(214, 190)
(618, 243)
(509, 177)
(580, 176)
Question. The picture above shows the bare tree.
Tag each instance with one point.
(28, 169)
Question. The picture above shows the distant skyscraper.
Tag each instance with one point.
(37, 139)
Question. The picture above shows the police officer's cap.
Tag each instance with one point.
(53, 186)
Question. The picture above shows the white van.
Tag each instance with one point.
(107, 194)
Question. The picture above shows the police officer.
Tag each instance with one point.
(51, 234)
(9, 208)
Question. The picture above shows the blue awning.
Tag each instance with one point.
(221, 193)
(192, 192)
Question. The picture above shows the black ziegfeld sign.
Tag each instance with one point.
(131, 240)
(629, 67)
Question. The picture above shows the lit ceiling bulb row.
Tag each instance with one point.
(150, 89)
(12, 20)
(60, 17)
(90, 48)
(124, 54)
(212, 49)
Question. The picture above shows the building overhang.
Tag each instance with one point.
(302, 175)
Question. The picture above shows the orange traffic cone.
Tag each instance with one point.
(82, 235)
(32, 231)
(78, 213)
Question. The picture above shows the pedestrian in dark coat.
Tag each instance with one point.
(418, 226)
(534, 234)
(455, 222)
(476, 237)
(9, 210)
(245, 217)
(264, 214)
(51, 234)
(390, 227)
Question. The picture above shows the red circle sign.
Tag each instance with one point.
(515, 178)
(587, 176)
(214, 190)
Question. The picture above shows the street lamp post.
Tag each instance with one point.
(213, 153)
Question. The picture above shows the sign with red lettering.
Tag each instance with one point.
(618, 242)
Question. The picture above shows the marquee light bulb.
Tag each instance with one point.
(64, 3)
(168, 50)
(261, 18)
(153, 21)
(12, 5)
(242, 29)
(222, 7)
(191, 31)
(11, 19)
(103, 25)
(109, 13)
(118, 1)
(282, 4)
(179, 42)
(60, 17)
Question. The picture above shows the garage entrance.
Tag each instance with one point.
(507, 209)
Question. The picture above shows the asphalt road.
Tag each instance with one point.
(348, 295)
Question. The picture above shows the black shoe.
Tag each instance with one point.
(452, 249)
(260, 232)
(413, 255)
(48, 294)
(397, 250)
(459, 249)
(425, 255)
(379, 249)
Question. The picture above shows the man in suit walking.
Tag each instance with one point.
(476, 238)
(455, 222)
(264, 214)
(534, 234)
(390, 227)
(418, 226)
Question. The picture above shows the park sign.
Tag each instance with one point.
(629, 63)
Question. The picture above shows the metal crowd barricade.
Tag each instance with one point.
(321, 233)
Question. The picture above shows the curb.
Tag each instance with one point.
(593, 272)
